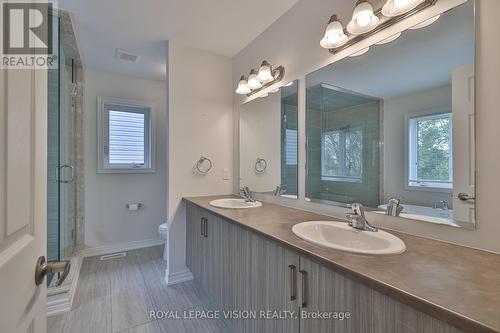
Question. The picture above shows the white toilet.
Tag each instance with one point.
(163, 231)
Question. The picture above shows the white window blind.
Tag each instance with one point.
(125, 140)
(126, 137)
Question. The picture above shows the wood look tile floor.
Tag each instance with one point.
(116, 295)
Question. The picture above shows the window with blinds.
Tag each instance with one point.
(125, 136)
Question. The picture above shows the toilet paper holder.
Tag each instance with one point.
(129, 205)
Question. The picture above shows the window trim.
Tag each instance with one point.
(408, 117)
(342, 179)
(103, 165)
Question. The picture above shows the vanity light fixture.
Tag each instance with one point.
(334, 34)
(389, 39)
(425, 23)
(243, 88)
(366, 22)
(397, 7)
(265, 77)
(253, 80)
(363, 19)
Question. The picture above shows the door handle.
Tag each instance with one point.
(43, 268)
(303, 282)
(292, 282)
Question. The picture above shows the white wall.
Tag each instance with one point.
(292, 41)
(396, 111)
(200, 124)
(260, 137)
(107, 221)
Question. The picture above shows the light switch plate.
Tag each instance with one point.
(225, 174)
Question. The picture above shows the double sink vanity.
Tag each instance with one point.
(262, 256)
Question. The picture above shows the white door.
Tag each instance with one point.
(23, 176)
(463, 145)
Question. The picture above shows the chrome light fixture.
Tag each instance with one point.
(397, 7)
(265, 73)
(334, 34)
(266, 76)
(366, 22)
(363, 19)
(243, 88)
(253, 80)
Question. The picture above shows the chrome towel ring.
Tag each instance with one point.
(260, 165)
(200, 165)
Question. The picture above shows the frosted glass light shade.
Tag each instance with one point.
(243, 88)
(253, 80)
(425, 23)
(363, 19)
(398, 7)
(265, 74)
(334, 34)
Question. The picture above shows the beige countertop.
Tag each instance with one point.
(455, 284)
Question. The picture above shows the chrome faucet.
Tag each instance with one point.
(357, 218)
(442, 204)
(247, 194)
(393, 207)
(280, 189)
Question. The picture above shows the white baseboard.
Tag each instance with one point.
(178, 277)
(119, 247)
(60, 299)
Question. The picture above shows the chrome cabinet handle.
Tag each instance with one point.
(206, 227)
(292, 282)
(202, 225)
(465, 197)
(43, 268)
(304, 288)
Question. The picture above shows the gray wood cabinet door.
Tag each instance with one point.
(195, 242)
(321, 290)
(325, 290)
(274, 286)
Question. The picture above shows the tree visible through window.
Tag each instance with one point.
(342, 155)
(431, 151)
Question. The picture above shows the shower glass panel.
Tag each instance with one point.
(61, 159)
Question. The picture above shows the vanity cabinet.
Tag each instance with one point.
(243, 271)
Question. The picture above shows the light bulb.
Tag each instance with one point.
(253, 80)
(243, 88)
(364, 19)
(265, 74)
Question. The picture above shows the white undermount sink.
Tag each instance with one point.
(234, 203)
(340, 236)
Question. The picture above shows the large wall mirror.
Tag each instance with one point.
(269, 143)
(393, 128)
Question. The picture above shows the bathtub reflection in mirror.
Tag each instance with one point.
(393, 129)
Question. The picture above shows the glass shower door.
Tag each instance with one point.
(61, 160)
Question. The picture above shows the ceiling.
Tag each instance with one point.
(223, 27)
(418, 60)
